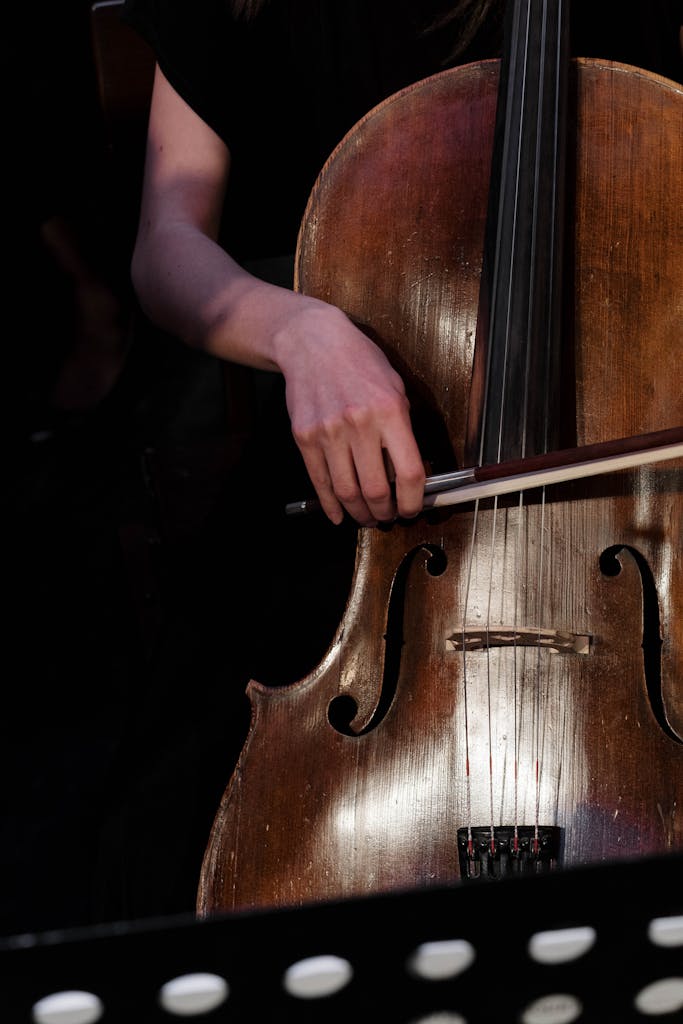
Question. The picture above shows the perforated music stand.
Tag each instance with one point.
(126, 965)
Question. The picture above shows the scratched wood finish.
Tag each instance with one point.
(393, 234)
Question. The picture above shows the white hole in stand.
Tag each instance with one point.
(664, 996)
(317, 977)
(558, 1008)
(435, 961)
(443, 1017)
(68, 1008)
(192, 994)
(666, 931)
(561, 945)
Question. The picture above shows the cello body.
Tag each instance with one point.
(517, 661)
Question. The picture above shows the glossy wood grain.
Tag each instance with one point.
(446, 645)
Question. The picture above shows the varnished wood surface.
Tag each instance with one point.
(313, 812)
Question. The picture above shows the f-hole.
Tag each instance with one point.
(652, 640)
(342, 710)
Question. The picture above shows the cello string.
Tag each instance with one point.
(543, 680)
(494, 328)
(509, 146)
(468, 776)
(497, 266)
(492, 548)
(517, 560)
(537, 589)
(517, 717)
(539, 704)
(540, 719)
(516, 30)
(539, 722)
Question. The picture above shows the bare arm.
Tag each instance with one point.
(346, 403)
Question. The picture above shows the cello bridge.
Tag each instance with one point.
(555, 640)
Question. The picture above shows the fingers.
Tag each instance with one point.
(362, 484)
(406, 468)
(337, 485)
(373, 470)
(410, 482)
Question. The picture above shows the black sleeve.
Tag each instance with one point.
(239, 77)
(197, 47)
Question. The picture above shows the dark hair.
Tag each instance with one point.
(246, 8)
(473, 23)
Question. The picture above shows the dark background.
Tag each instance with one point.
(148, 570)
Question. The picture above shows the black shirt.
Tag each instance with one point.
(282, 89)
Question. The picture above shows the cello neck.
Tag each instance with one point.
(517, 370)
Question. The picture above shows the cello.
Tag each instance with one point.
(503, 693)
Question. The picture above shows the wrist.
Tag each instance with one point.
(303, 326)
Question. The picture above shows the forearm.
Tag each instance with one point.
(191, 287)
(346, 403)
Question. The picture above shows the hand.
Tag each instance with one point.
(350, 417)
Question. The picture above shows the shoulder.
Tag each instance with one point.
(197, 45)
(169, 23)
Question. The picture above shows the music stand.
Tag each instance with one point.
(126, 965)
